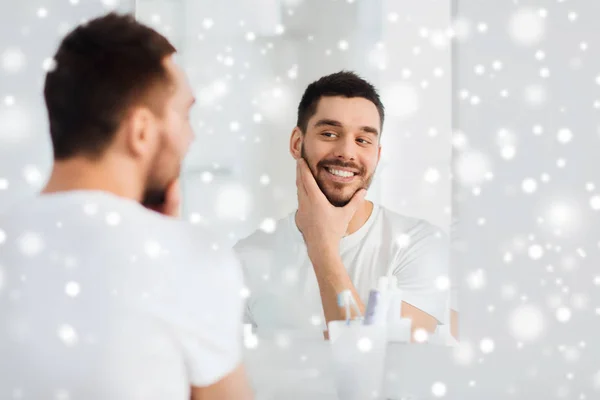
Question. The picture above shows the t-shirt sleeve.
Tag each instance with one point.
(421, 267)
(211, 334)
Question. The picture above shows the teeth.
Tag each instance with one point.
(344, 174)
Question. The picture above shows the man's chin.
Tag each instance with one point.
(337, 200)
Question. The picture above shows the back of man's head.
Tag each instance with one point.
(102, 69)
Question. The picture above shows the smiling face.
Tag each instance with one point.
(341, 146)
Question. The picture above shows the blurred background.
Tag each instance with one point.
(525, 108)
(249, 63)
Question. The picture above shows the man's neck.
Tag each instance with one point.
(360, 217)
(83, 174)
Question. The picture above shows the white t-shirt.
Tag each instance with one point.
(103, 299)
(284, 294)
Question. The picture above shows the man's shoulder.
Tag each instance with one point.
(267, 236)
(403, 222)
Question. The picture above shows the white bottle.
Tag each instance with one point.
(384, 293)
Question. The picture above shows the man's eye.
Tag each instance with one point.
(328, 134)
(363, 141)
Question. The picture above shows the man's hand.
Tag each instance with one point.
(322, 224)
(171, 206)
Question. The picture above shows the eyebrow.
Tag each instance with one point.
(332, 122)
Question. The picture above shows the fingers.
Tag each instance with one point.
(299, 181)
(310, 184)
(308, 180)
(356, 201)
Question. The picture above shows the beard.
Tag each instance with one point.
(334, 191)
(163, 171)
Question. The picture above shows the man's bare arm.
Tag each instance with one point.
(234, 386)
(333, 278)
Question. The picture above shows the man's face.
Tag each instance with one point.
(341, 146)
(176, 134)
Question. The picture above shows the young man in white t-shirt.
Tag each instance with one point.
(101, 297)
(337, 240)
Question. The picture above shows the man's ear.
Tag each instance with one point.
(296, 143)
(139, 131)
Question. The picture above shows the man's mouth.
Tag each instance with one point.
(341, 174)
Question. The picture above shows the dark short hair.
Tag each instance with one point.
(102, 69)
(343, 83)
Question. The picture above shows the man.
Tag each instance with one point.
(337, 240)
(103, 298)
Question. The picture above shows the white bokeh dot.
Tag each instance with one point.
(401, 99)
(595, 202)
(596, 380)
(264, 179)
(529, 185)
(268, 225)
(62, 394)
(316, 320)
(12, 60)
(526, 27)
(526, 323)
(90, 209)
(251, 341)
(535, 95)
(486, 345)
(30, 244)
(563, 314)
(438, 389)
(508, 152)
(207, 177)
(111, 4)
(152, 248)
(535, 251)
(33, 175)
(67, 335)
(244, 292)
(207, 23)
(463, 353)
(72, 289)
(113, 218)
(364, 344)
(432, 175)
(403, 240)
(476, 279)
(442, 282)
(420, 335)
(471, 168)
(564, 135)
(234, 126)
(282, 340)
